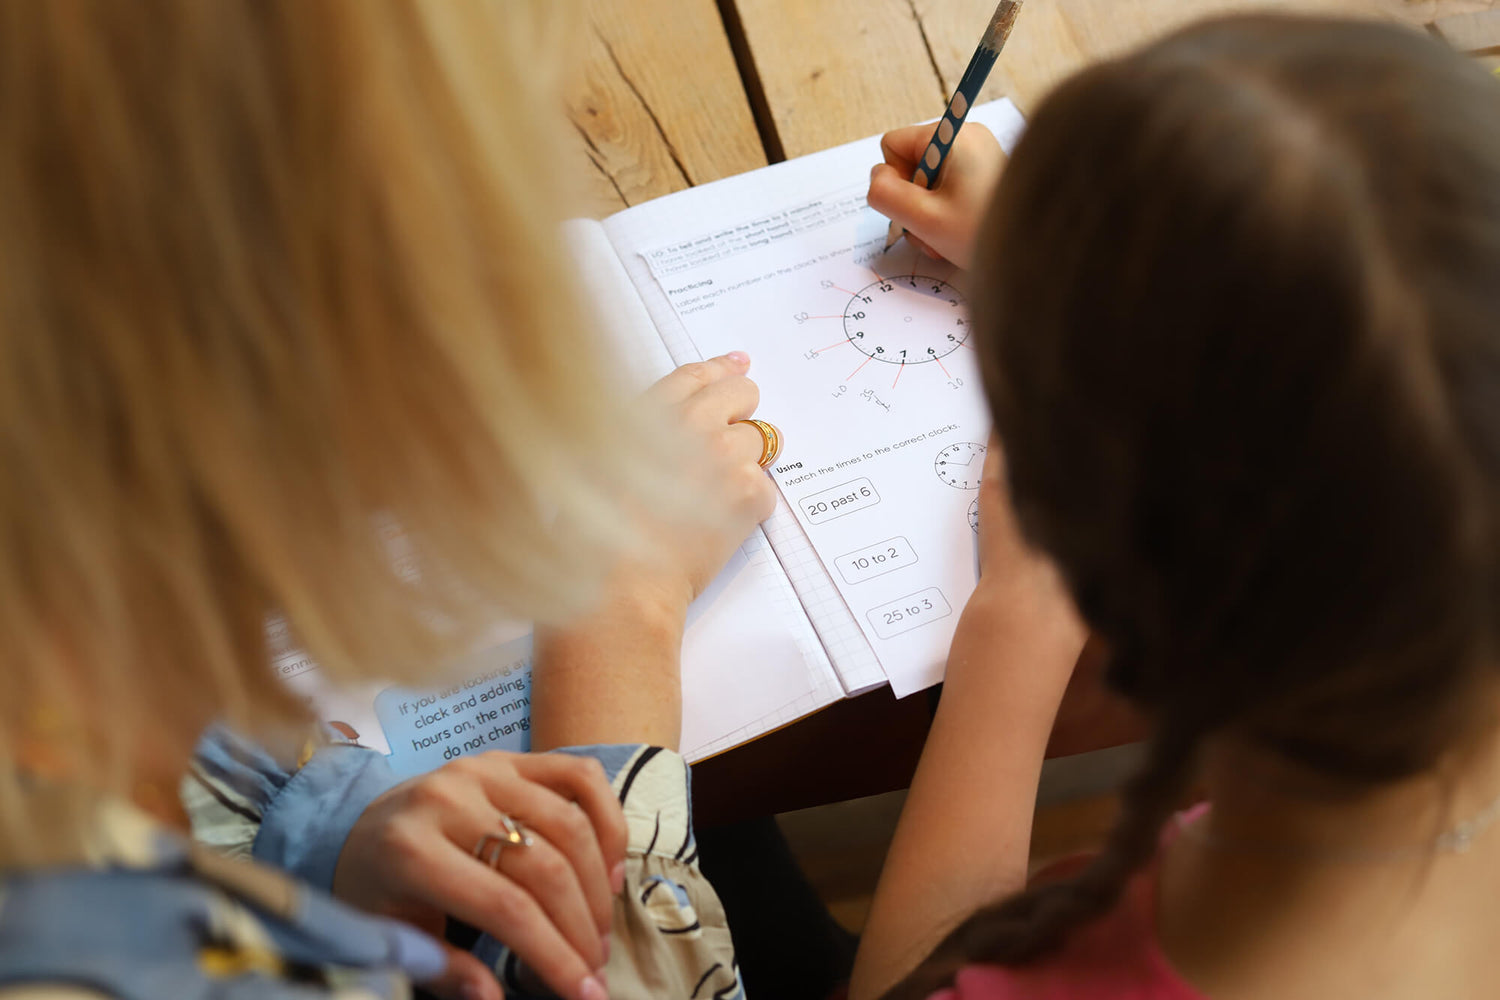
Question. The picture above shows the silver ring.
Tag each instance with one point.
(512, 834)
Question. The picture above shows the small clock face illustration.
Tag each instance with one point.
(961, 465)
(907, 320)
(974, 515)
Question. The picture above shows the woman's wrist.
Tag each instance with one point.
(614, 677)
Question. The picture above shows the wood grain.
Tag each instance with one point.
(837, 70)
(1068, 34)
(659, 106)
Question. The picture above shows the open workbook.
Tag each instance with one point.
(864, 361)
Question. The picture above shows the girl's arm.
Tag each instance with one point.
(964, 833)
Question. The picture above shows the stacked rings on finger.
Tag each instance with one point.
(512, 834)
(770, 436)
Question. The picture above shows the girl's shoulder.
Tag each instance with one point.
(1118, 956)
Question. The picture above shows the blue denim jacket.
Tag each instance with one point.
(155, 917)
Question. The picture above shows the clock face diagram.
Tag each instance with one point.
(906, 320)
(974, 515)
(961, 466)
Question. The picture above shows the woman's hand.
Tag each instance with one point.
(411, 856)
(707, 400)
(943, 222)
(615, 677)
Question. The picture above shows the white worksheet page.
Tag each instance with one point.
(751, 661)
(864, 360)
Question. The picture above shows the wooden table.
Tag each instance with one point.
(679, 92)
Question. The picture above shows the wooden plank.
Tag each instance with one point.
(1054, 39)
(1478, 31)
(841, 69)
(1097, 28)
(837, 70)
(591, 181)
(659, 106)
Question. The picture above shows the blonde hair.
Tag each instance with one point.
(280, 288)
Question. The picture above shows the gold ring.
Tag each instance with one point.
(770, 436)
(512, 834)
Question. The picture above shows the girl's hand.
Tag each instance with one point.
(411, 856)
(943, 222)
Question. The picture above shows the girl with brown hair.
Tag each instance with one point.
(1238, 305)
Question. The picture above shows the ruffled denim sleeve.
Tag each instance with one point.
(671, 937)
(294, 815)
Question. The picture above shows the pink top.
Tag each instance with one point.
(1117, 957)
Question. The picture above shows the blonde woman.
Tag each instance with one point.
(280, 284)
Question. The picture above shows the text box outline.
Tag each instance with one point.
(832, 515)
(919, 622)
(878, 545)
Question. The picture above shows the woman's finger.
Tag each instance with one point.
(549, 875)
(723, 402)
(465, 978)
(683, 382)
(566, 835)
(581, 780)
(745, 443)
(491, 901)
(472, 809)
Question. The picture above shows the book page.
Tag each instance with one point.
(864, 361)
(852, 657)
(751, 662)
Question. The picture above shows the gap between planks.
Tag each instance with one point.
(744, 62)
(944, 92)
